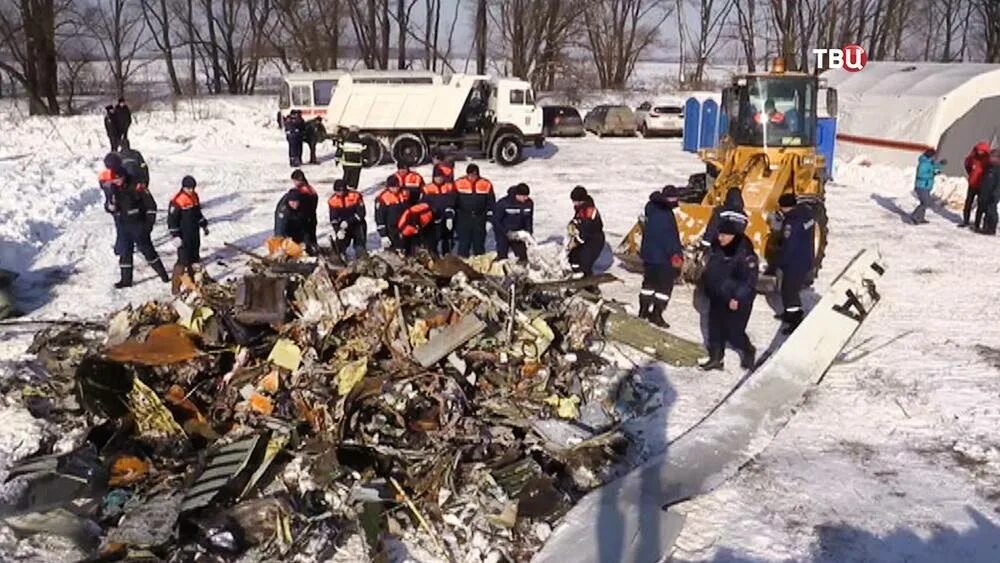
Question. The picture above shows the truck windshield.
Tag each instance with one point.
(775, 112)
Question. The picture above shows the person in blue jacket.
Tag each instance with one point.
(732, 209)
(927, 169)
(662, 254)
(795, 258)
(513, 218)
(730, 280)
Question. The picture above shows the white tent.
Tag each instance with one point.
(893, 111)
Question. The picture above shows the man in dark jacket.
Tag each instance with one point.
(123, 118)
(662, 255)
(347, 217)
(474, 205)
(730, 280)
(390, 204)
(135, 165)
(111, 128)
(586, 233)
(441, 196)
(134, 210)
(732, 209)
(314, 132)
(295, 215)
(352, 158)
(989, 194)
(976, 164)
(185, 223)
(795, 258)
(294, 134)
(514, 222)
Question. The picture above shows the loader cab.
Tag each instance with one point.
(772, 110)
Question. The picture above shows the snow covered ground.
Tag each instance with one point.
(894, 457)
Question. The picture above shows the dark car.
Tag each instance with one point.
(562, 121)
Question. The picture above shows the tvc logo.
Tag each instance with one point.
(851, 58)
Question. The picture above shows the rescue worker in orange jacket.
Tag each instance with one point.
(416, 228)
(441, 162)
(410, 181)
(134, 210)
(474, 205)
(309, 200)
(185, 223)
(347, 217)
(586, 233)
(441, 196)
(389, 207)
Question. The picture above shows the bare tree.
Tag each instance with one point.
(28, 50)
(784, 14)
(403, 10)
(746, 26)
(618, 32)
(117, 27)
(534, 35)
(482, 36)
(370, 21)
(158, 19)
(312, 28)
(712, 18)
(989, 13)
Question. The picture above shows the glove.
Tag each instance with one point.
(205, 230)
(677, 260)
(386, 243)
(341, 234)
(642, 219)
(449, 223)
(178, 242)
(489, 226)
(343, 226)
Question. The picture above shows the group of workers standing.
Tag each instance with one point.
(731, 268)
(982, 168)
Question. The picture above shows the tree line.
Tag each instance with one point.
(220, 46)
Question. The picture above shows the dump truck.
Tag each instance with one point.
(409, 121)
(768, 148)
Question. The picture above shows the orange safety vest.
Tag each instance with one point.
(409, 179)
(466, 186)
(414, 219)
(388, 198)
(776, 118)
(185, 200)
(106, 175)
(340, 201)
(435, 189)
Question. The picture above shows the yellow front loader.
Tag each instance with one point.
(769, 149)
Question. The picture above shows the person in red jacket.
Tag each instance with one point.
(416, 228)
(185, 221)
(976, 165)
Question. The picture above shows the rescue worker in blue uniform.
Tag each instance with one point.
(440, 194)
(295, 214)
(347, 217)
(134, 210)
(295, 135)
(586, 233)
(185, 222)
(474, 205)
(410, 181)
(514, 222)
(730, 280)
(390, 204)
(732, 209)
(662, 254)
(795, 258)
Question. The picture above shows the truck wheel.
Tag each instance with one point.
(507, 150)
(819, 242)
(374, 152)
(409, 150)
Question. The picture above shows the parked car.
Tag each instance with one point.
(610, 120)
(562, 121)
(660, 118)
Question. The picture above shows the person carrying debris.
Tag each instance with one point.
(295, 215)
(352, 158)
(294, 134)
(389, 207)
(795, 258)
(185, 223)
(586, 233)
(989, 194)
(440, 195)
(730, 280)
(134, 210)
(473, 210)
(927, 169)
(416, 228)
(313, 133)
(410, 181)
(514, 222)
(111, 128)
(662, 254)
(347, 217)
(976, 165)
(123, 118)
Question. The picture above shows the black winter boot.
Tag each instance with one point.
(713, 362)
(126, 277)
(645, 305)
(793, 320)
(656, 316)
(748, 357)
(160, 270)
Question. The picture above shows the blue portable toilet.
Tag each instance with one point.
(709, 124)
(723, 124)
(826, 141)
(692, 124)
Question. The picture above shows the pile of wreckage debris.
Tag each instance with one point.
(308, 409)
